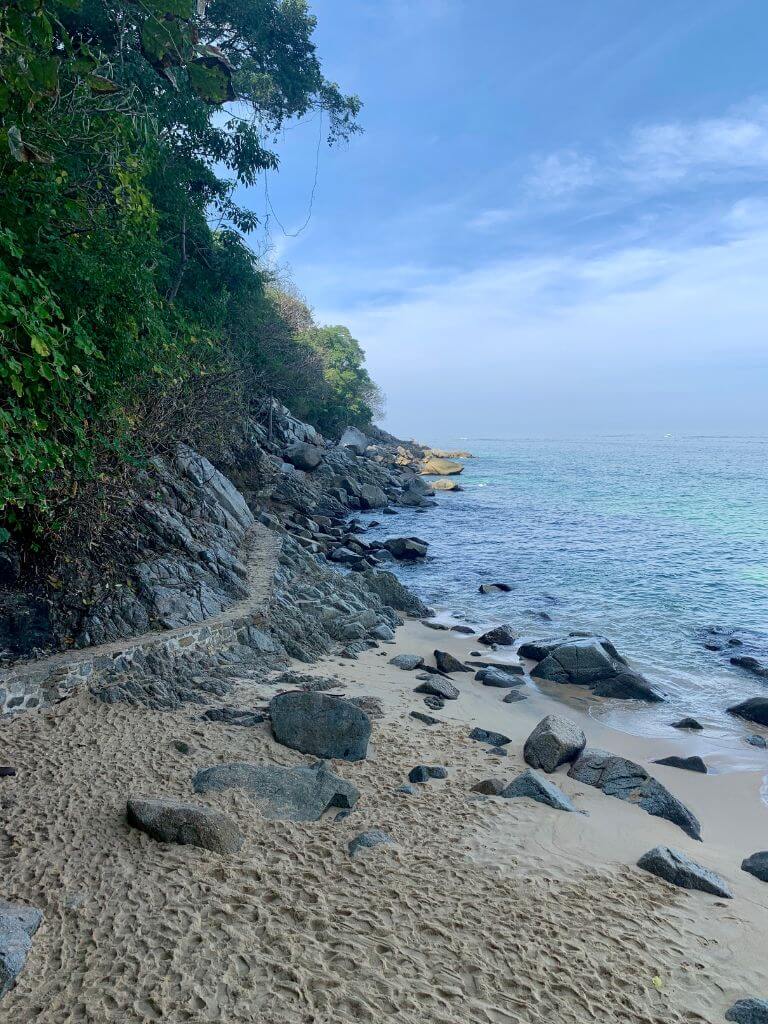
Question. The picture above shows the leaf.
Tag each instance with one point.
(23, 151)
(657, 983)
(101, 86)
(211, 79)
(165, 41)
(44, 73)
(39, 346)
(177, 8)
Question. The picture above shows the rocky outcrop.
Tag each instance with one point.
(18, 924)
(675, 867)
(293, 794)
(169, 821)
(588, 661)
(554, 741)
(319, 724)
(433, 466)
(616, 776)
(753, 710)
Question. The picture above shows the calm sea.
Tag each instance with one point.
(649, 541)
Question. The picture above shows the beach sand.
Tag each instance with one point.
(487, 909)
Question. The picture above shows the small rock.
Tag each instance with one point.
(383, 632)
(554, 741)
(406, 549)
(183, 747)
(7, 772)
(756, 741)
(434, 703)
(342, 815)
(489, 787)
(687, 723)
(169, 821)
(426, 719)
(495, 677)
(496, 739)
(407, 662)
(691, 764)
(534, 786)
(447, 663)
(234, 716)
(675, 867)
(513, 697)
(498, 751)
(18, 924)
(757, 865)
(494, 588)
(423, 773)
(749, 1011)
(367, 840)
(465, 630)
(405, 788)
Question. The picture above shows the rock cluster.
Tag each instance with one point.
(588, 661)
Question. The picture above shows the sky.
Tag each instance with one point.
(556, 220)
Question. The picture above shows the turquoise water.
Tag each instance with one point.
(647, 540)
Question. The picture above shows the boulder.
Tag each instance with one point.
(438, 687)
(354, 439)
(513, 697)
(627, 685)
(406, 549)
(496, 739)
(749, 1011)
(299, 793)
(554, 741)
(446, 485)
(441, 467)
(490, 787)
(169, 821)
(537, 650)
(498, 677)
(687, 723)
(690, 764)
(407, 662)
(501, 635)
(750, 664)
(17, 926)
(753, 710)
(757, 865)
(616, 776)
(756, 741)
(392, 592)
(372, 496)
(675, 867)
(594, 662)
(319, 724)
(447, 663)
(367, 840)
(423, 773)
(532, 785)
(510, 669)
(494, 588)
(304, 456)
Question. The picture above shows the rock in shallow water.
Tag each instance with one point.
(554, 741)
(300, 793)
(169, 821)
(17, 926)
(753, 710)
(501, 635)
(687, 723)
(616, 776)
(675, 867)
(319, 724)
(749, 1011)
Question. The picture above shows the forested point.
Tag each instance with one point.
(133, 312)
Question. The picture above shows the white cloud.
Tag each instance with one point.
(562, 173)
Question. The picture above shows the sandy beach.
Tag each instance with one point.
(486, 910)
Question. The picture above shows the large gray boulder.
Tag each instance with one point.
(319, 724)
(501, 635)
(757, 865)
(616, 776)
(304, 456)
(753, 710)
(675, 867)
(554, 741)
(299, 793)
(372, 496)
(439, 687)
(749, 1011)
(407, 662)
(534, 786)
(169, 821)
(17, 926)
(593, 662)
(354, 439)
(406, 549)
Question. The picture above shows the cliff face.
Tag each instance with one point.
(223, 570)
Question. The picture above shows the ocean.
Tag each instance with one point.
(652, 541)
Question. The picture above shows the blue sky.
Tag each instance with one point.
(556, 221)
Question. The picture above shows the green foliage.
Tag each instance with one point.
(122, 312)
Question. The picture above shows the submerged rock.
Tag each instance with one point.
(756, 741)
(319, 724)
(675, 867)
(532, 785)
(691, 764)
(300, 793)
(169, 821)
(18, 924)
(493, 588)
(616, 776)
(687, 723)
(554, 741)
